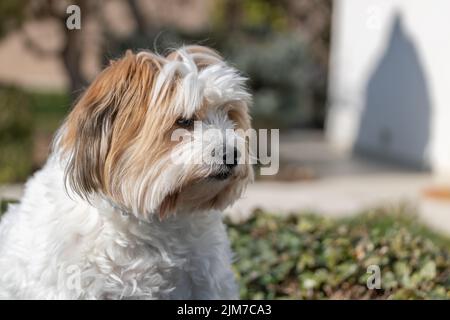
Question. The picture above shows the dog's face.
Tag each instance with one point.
(149, 130)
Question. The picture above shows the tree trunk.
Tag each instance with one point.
(72, 59)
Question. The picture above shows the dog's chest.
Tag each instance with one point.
(142, 262)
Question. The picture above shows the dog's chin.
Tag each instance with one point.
(204, 190)
(199, 195)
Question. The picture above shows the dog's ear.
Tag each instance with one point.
(87, 139)
(115, 102)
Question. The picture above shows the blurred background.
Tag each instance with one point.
(358, 89)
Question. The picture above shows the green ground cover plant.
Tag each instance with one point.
(306, 256)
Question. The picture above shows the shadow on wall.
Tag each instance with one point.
(395, 124)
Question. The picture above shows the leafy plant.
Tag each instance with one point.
(311, 257)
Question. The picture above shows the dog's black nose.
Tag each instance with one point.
(230, 158)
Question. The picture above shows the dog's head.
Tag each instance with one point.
(148, 132)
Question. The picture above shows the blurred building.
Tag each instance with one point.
(389, 91)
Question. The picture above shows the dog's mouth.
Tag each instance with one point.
(222, 174)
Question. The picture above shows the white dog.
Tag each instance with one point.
(112, 215)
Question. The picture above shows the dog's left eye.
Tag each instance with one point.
(185, 123)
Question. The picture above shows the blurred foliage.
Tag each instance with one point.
(12, 14)
(250, 15)
(312, 257)
(16, 127)
(278, 68)
(25, 118)
(49, 110)
(283, 47)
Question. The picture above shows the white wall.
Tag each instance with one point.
(389, 91)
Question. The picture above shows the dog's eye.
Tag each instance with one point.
(185, 123)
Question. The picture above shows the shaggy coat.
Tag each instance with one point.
(120, 210)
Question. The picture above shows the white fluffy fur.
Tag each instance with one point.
(48, 238)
